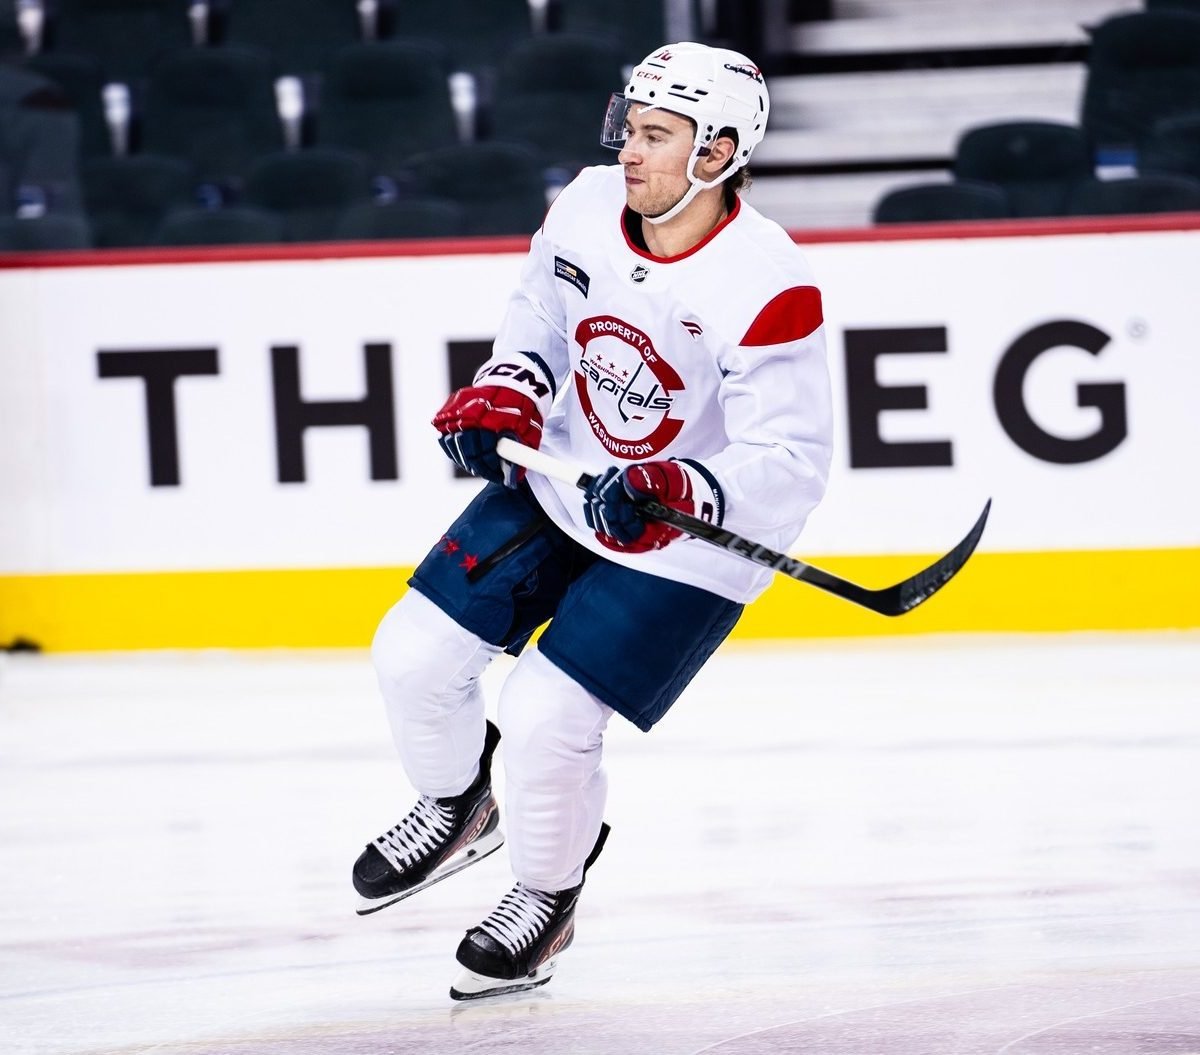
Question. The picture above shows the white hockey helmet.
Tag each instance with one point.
(715, 87)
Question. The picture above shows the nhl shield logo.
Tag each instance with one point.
(639, 273)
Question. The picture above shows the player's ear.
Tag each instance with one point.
(720, 151)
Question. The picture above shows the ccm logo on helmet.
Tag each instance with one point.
(752, 72)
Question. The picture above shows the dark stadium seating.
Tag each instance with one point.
(82, 80)
(1143, 67)
(126, 37)
(39, 141)
(1035, 162)
(551, 92)
(213, 107)
(937, 202)
(1173, 5)
(388, 100)
(233, 225)
(127, 198)
(499, 186)
(636, 27)
(1172, 146)
(377, 82)
(406, 218)
(12, 45)
(302, 35)
(475, 34)
(309, 190)
(1135, 194)
(51, 231)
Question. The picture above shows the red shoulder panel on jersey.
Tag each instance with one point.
(792, 315)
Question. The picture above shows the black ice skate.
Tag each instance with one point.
(438, 838)
(518, 945)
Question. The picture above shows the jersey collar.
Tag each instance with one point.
(638, 246)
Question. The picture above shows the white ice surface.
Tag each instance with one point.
(936, 846)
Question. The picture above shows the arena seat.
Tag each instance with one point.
(1173, 5)
(1035, 162)
(12, 44)
(127, 198)
(51, 231)
(214, 107)
(301, 39)
(634, 26)
(1135, 194)
(127, 38)
(475, 33)
(1143, 66)
(1173, 146)
(499, 186)
(551, 92)
(39, 143)
(309, 189)
(388, 100)
(937, 202)
(82, 81)
(233, 225)
(416, 217)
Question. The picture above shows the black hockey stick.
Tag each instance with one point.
(890, 600)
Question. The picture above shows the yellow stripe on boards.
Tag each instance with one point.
(340, 607)
(296, 608)
(997, 592)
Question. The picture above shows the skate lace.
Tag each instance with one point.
(520, 917)
(423, 831)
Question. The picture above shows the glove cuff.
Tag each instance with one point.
(520, 372)
(707, 496)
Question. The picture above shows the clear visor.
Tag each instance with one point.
(614, 133)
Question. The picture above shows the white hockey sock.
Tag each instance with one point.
(553, 732)
(428, 668)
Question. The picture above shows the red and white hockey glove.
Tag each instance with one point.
(474, 418)
(610, 502)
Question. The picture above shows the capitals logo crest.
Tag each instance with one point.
(626, 389)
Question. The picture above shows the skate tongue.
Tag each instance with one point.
(519, 918)
(428, 823)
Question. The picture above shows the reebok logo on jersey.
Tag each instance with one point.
(569, 272)
(639, 273)
(694, 328)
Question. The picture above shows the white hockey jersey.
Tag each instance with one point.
(716, 355)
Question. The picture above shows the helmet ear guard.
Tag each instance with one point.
(714, 87)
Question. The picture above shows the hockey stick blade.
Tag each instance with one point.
(889, 600)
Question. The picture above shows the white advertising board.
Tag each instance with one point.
(152, 413)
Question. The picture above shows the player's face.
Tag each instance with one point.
(655, 155)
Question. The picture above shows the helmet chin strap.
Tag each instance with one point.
(679, 206)
(697, 185)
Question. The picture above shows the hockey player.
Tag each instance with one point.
(662, 328)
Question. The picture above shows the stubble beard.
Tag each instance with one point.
(653, 205)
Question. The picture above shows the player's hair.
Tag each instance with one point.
(740, 180)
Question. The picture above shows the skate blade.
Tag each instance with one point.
(473, 854)
(471, 986)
